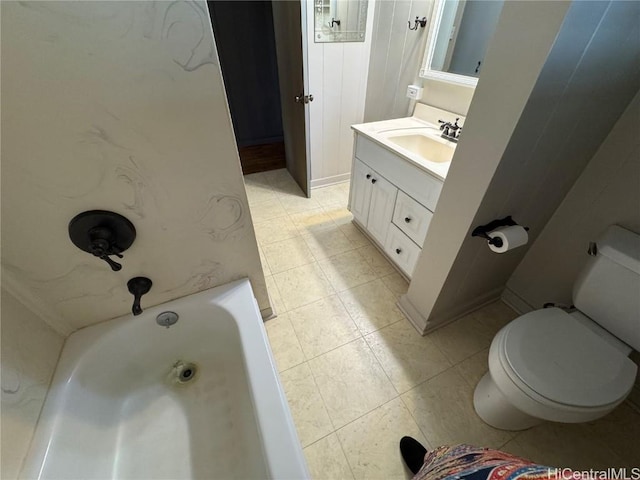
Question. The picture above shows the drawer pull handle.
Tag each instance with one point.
(398, 251)
(407, 219)
(373, 180)
(368, 176)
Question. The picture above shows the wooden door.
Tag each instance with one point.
(288, 25)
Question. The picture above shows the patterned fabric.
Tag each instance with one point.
(467, 462)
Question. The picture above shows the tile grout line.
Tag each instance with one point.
(292, 268)
(378, 363)
(338, 346)
(360, 335)
(376, 356)
(261, 251)
(360, 416)
(420, 384)
(426, 437)
(351, 286)
(306, 243)
(275, 284)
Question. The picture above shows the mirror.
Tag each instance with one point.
(339, 20)
(459, 36)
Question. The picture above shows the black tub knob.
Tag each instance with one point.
(102, 234)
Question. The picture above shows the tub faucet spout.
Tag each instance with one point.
(138, 286)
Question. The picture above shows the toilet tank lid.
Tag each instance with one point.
(621, 246)
(562, 360)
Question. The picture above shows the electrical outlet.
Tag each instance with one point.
(414, 92)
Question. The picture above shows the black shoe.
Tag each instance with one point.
(412, 453)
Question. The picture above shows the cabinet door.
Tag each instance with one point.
(360, 192)
(383, 199)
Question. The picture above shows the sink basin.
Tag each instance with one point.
(407, 130)
(434, 150)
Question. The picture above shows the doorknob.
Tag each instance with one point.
(303, 98)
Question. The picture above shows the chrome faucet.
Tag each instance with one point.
(450, 131)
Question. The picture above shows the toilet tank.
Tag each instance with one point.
(608, 288)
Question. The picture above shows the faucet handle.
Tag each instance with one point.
(102, 244)
(115, 266)
(455, 126)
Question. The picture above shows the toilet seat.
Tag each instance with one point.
(554, 359)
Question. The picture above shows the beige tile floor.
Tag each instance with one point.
(358, 377)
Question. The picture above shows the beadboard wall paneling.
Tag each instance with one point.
(396, 57)
(338, 82)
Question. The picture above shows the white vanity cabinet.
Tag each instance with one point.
(373, 200)
(392, 201)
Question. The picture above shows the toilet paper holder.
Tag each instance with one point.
(483, 230)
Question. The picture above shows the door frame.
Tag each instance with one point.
(305, 81)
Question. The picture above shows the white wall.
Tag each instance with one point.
(607, 192)
(118, 106)
(30, 351)
(447, 96)
(542, 107)
(338, 81)
(396, 56)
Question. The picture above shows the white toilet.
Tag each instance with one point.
(570, 367)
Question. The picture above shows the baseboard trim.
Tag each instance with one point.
(412, 314)
(267, 313)
(515, 301)
(460, 311)
(326, 181)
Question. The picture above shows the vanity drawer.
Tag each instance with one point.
(411, 217)
(402, 250)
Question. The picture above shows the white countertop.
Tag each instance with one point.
(425, 122)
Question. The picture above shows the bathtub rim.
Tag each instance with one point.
(281, 447)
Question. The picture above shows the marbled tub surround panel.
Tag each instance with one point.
(118, 106)
(30, 351)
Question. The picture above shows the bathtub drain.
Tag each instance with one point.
(185, 372)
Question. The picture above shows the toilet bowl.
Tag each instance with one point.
(569, 367)
(547, 365)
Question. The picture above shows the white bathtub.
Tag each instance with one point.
(115, 409)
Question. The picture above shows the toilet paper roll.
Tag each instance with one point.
(513, 236)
